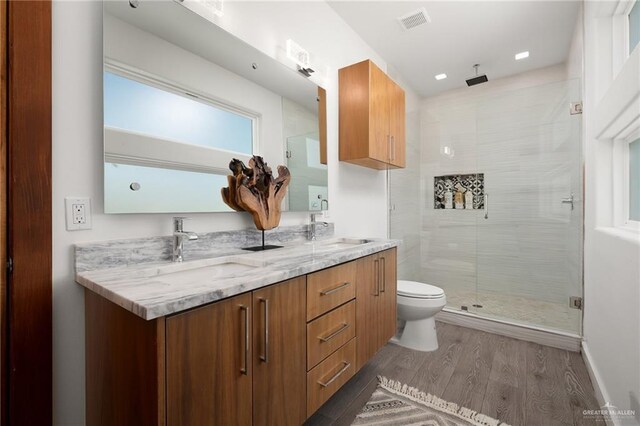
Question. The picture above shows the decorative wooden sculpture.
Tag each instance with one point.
(255, 190)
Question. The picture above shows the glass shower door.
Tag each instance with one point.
(528, 239)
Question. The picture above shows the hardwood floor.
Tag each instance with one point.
(517, 382)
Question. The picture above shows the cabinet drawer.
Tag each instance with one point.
(330, 288)
(329, 332)
(329, 376)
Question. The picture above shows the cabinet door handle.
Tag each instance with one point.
(384, 274)
(335, 333)
(244, 369)
(393, 148)
(265, 356)
(334, 289)
(376, 269)
(335, 377)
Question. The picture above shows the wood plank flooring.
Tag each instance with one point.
(517, 382)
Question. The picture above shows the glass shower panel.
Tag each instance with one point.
(529, 259)
(448, 234)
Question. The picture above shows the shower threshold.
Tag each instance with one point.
(541, 335)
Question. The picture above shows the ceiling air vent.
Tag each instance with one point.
(414, 19)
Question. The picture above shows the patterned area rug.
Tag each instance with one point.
(393, 403)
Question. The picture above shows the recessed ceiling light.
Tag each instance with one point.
(522, 55)
(441, 76)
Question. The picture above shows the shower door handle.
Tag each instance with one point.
(569, 200)
(486, 206)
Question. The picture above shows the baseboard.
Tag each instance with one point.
(570, 342)
(596, 381)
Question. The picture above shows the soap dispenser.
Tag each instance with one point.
(448, 199)
(459, 199)
(468, 199)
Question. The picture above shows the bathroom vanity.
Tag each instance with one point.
(257, 338)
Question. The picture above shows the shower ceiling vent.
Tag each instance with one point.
(414, 19)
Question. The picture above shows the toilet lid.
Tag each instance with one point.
(419, 290)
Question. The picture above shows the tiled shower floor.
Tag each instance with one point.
(539, 313)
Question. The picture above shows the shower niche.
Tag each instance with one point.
(461, 191)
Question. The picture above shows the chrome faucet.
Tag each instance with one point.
(312, 227)
(179, 237)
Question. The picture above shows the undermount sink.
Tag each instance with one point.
(338, 243)
(207, 269)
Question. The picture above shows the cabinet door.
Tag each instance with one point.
(209, 380)
(397, 124)
(367, 309)
(388, 298)
(279, 356)
(379, 115)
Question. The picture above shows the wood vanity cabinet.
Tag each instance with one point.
(209, 372)
(376, 309)
(280, 354)
(372, 117)
(271, 356)
(240, 360)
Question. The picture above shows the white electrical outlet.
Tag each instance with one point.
(78, 213)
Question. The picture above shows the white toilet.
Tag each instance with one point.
(418, 303)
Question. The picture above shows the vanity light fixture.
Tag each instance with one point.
(441, 76)
(522, 55)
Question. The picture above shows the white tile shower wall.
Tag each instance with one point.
(518, 132)
(404, 203)
(358, 195)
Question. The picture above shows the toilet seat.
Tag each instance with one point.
(418, 290)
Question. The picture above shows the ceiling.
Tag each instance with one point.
(461, 34)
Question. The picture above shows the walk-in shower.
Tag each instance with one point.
(490, 204)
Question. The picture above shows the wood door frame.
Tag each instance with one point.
(27, 373)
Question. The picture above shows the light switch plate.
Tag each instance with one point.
(78, 213)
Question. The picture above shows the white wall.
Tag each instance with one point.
(612, 255)
(358, 195)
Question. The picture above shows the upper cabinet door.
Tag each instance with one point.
(209, 379)
(397, 124)
(379, 115)
(280, 354)
(372, 117)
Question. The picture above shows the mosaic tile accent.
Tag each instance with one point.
(470, 182)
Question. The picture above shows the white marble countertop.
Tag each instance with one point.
(159, 289)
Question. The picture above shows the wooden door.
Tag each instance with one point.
(27, 131)
(388, 298)
(209, 372)
(279, 357)
(367, 308)
(397, 124)
(379, 114)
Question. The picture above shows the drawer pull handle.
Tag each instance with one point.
(244, 369)
(333, 290)
(335, 333)
(335, 377)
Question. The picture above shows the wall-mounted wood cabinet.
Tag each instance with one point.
(372, 117)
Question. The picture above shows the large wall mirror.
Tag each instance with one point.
(182, 97)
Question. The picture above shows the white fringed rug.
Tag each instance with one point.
(393, 403)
